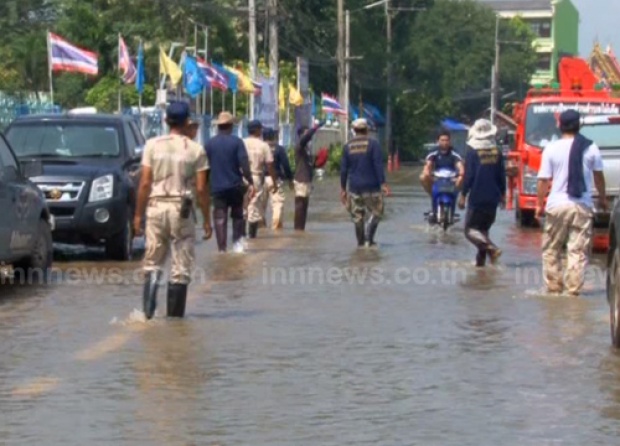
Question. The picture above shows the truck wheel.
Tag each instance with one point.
(526, 218)
(39, 263)
(120, 246)
(613, 297)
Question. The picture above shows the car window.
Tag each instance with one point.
(65, 139)
(138, 134)
(8, 164)
(130, 138)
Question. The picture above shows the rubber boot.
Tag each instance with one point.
(149, 293)
(238, 229)
(299, 217)
(306, 203)
(220, 220)
(177, 297)
(371, 230)
(253, 229)
(359, 233)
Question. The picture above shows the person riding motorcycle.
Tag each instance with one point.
(445, 157)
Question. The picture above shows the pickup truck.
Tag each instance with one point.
(90, 174)
(25, 221)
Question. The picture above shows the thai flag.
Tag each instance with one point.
(331, 105)
(216, 79)
(125, 64)
(65, 56)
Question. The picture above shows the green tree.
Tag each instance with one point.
(448, 61)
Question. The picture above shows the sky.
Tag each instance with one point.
(600, 20)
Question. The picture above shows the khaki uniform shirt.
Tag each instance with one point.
(259, 153)
(175, 160)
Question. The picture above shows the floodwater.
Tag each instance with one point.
(306, 340)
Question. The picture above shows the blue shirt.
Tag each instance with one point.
(362, 166)
(447, 160)
(485, 178)
(229, 162)
(281, 163)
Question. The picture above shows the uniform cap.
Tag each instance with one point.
(177, 112)
(254, 125)
(570, 117)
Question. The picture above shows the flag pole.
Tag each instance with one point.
(204, 93)
(49, 66)
(120, 83)
(137, 74)
(234, 103)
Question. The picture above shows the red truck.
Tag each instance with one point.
(537, 118)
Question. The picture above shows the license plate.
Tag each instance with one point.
(446, 189)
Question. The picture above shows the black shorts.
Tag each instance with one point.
(230, 198)
(480, 219)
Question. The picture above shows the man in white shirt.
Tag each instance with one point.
(571, 164)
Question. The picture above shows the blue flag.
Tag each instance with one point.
(140, 70)
(232, 77)
(194, 78)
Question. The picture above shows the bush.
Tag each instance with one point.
(333, 161)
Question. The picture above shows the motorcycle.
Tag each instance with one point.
(444, 199)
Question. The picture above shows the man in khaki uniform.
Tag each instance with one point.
(171, 165)
(260, 156)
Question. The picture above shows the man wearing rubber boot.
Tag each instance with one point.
(361, 169)
(485, 188)
(261, 158)
(229, 163)
(170, 165)
(283, 171)
(304, 173)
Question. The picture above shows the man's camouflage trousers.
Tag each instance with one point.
(359, 204)
(568, 225)
(166, 232)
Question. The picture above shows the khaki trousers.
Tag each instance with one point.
(569, 225)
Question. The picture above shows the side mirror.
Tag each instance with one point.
(133, 161)
(31, 168)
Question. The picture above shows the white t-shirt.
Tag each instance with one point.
(554, 166)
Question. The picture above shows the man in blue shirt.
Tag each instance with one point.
(444, 157)
(362, 182)
(229, 162)
(484, 187)
(283, 172)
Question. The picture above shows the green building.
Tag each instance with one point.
(555, 23)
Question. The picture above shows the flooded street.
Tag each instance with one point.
(306, 340)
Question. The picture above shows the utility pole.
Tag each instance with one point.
(341, 63)
(495, 74)
(253, 62)
(347, 73)
(388, 105)
(273, 53)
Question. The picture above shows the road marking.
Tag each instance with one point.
(36, 387)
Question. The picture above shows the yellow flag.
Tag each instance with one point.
(244, 83)
(167, 66)
(294, 97)
(282, 98)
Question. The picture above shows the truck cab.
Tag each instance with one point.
(89, 179)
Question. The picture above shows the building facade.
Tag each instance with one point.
(555, 24)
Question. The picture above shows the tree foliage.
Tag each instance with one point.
(442, 50)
